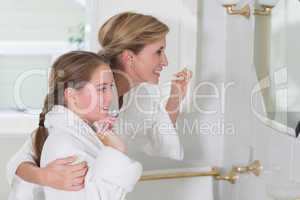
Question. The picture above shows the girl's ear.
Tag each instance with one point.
(70, 96)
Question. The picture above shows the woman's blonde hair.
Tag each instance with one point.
(129, 31)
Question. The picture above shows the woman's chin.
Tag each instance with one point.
(154, 81)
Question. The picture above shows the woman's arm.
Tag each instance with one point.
(178, 92)
(111, 173)
(24, 155)
(58, 174)
(172, 107)
(29, 172)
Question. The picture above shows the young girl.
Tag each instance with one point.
(80, 94)
(134, 44)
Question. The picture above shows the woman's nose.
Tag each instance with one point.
(164, 61)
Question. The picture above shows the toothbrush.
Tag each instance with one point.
(114, 113)
(181, 78)
(104, 126)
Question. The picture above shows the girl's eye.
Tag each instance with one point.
(159, 52)
(102, 89)
(105, 88)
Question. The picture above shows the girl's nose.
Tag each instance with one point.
(108, 98)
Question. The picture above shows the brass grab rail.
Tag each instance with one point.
(175, 175)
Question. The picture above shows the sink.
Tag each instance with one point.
(289, 191)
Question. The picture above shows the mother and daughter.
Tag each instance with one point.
(67, 157)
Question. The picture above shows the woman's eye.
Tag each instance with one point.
(159, 52)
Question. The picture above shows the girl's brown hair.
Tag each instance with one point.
(72, 69)
(129, 31)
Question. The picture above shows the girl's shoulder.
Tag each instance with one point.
(59, 146)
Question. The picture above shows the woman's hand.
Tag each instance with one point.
(180, 84)
(61, 174)
(178, 92)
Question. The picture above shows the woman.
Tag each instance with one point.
(134, 44)
(80, 95)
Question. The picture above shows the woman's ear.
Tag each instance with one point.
(127, 57)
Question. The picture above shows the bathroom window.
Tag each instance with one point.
(33, 34)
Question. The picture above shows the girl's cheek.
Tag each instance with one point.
(88, 101)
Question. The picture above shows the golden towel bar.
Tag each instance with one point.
(254, 167)
(175, 175)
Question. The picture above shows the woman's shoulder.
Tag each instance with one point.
(144, 93)
(148, 88)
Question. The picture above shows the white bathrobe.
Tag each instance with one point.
(111, 173)
(143, 123)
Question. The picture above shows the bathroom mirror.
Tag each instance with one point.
(277, 61)
(32, 39)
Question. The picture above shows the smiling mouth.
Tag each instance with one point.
(105, 108)
(157, 72)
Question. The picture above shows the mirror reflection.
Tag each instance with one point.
(277, 60)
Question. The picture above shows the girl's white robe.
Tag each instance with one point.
(111, 173)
